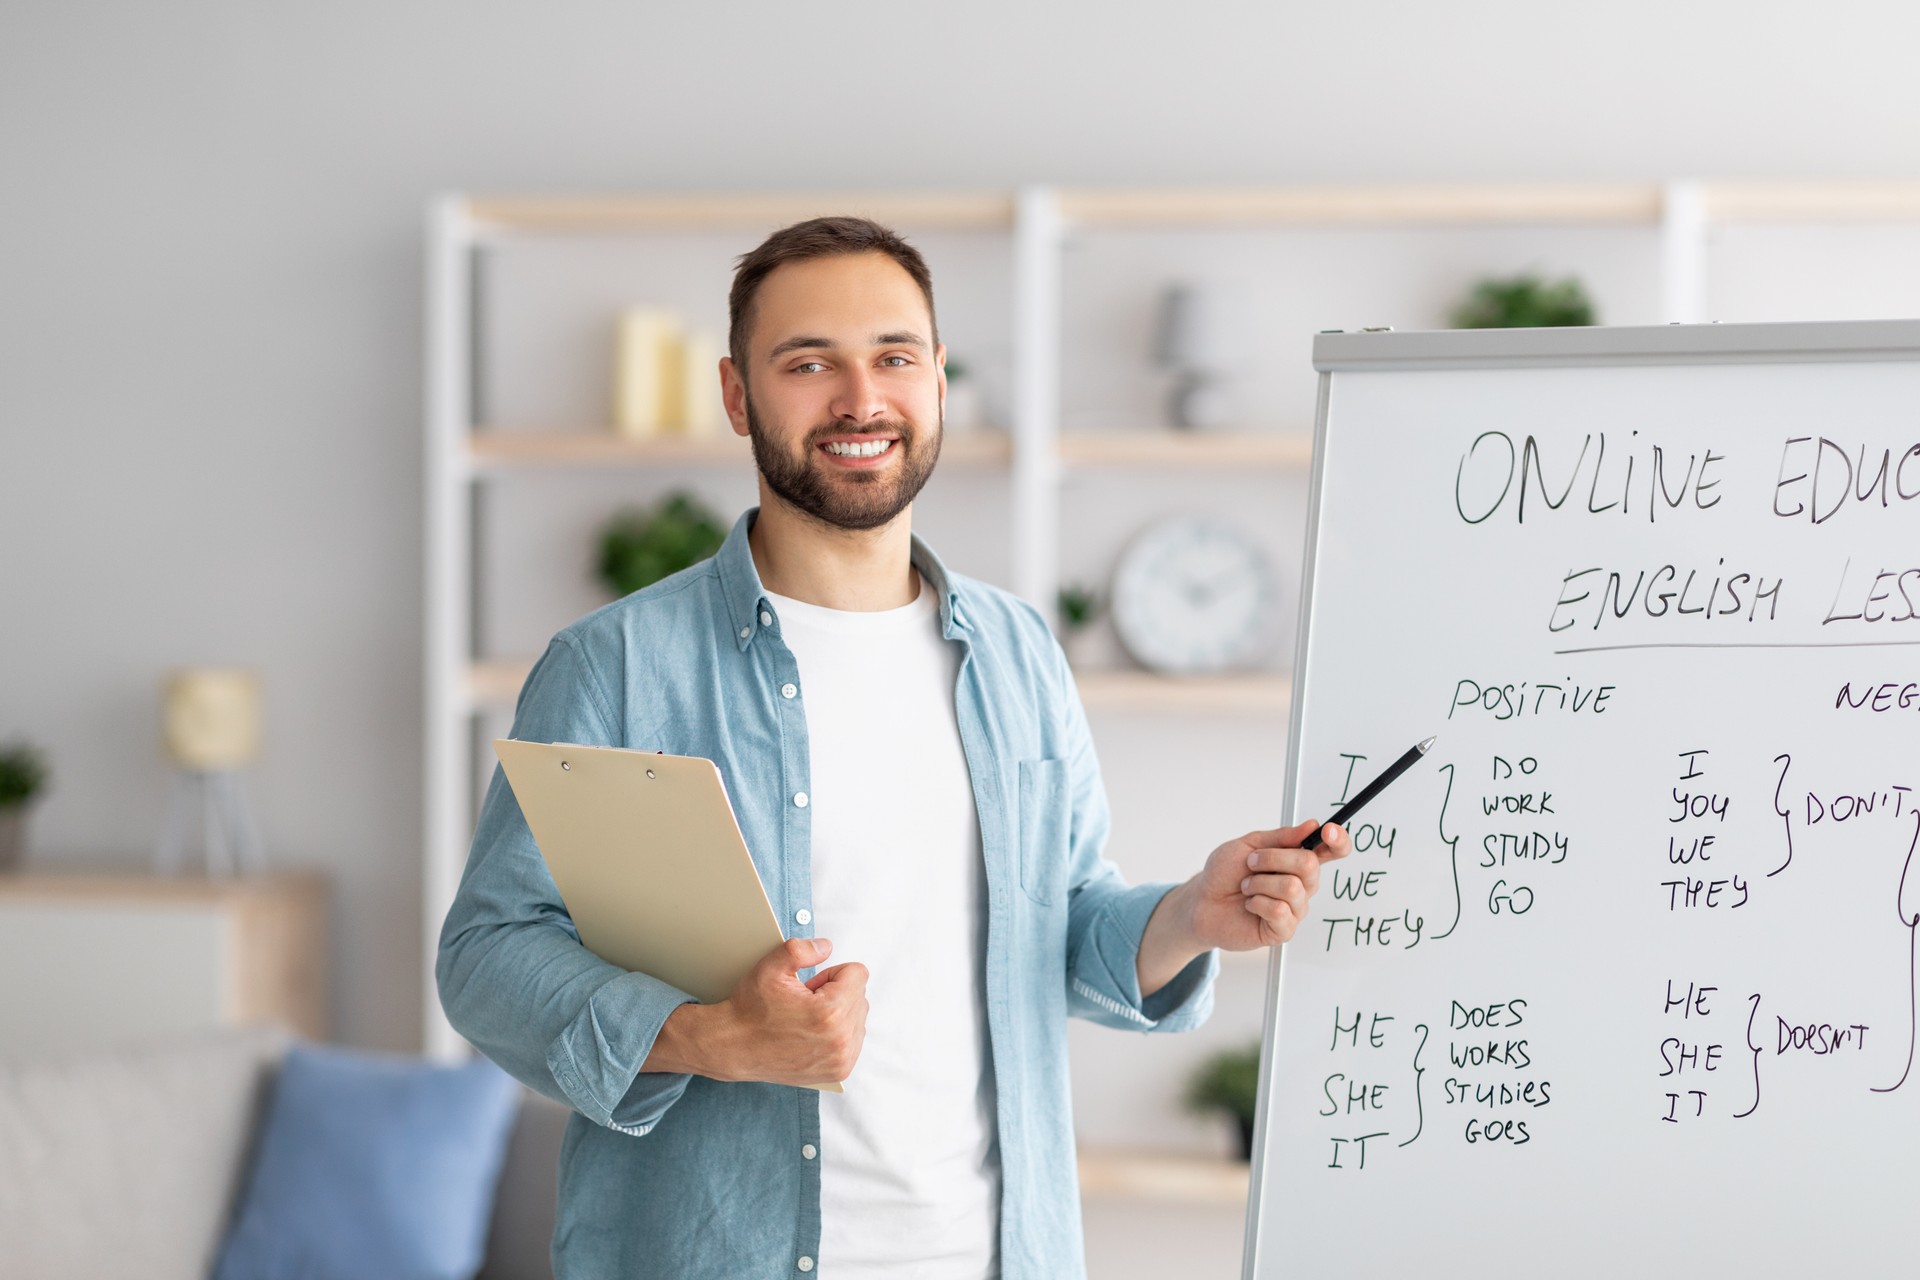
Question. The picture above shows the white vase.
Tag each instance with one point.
(1074, 643)
(965, 411)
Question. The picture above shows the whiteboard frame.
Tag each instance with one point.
(1849, 340)
(1796, 343)
(1277, 956)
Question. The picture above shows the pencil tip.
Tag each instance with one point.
(1428, 743)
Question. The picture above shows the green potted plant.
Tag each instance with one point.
(1229, 1082)
(638, 548)
(1524, 302)
(23, 775)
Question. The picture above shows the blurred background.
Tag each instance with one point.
(233, 639)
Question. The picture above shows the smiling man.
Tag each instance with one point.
(911, 767)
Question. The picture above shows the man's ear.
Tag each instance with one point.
(733, 394)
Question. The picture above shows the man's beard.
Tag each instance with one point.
(853, 499)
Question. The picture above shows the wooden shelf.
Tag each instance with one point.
(147, 955)
(977, 447)
(1116, 207)
(494, 449)
(755, 211)
(500, 449)
(1168, 448)
(133, 883)
(496, 683)
(1738, 202)
(1180, 1179)
(1260, 693)
(1336, 206)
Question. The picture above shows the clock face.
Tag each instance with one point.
(1194, 595)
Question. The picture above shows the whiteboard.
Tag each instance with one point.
(1620, 979)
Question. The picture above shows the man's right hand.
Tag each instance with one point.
(773, 1027)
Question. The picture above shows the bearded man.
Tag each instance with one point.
(910, 764)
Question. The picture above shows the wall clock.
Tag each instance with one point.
(1194, 595)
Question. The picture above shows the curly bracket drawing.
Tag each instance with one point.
(1419, 1071)
(1453, 856)
(1785, 762)
(1910, 918)
(1751, 1015)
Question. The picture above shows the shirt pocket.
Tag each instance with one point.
(1043, 828)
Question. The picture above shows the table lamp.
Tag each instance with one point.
(211, 728)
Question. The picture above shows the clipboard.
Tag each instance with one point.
(649, 860)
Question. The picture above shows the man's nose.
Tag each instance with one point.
(859, 399)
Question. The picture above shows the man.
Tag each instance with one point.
(914, 776)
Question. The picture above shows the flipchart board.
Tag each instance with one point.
(1620, 979)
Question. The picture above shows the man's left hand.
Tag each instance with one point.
(1253, 892)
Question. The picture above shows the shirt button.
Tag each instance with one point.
(806, 1264)
(800, 799)
(809, 1151)
(766, 619)
(789, 690)
(745, 632)
(804, 916)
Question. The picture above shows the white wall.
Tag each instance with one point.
(210, 254)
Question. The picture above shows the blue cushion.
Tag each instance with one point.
(372, 1165)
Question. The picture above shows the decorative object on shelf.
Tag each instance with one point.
(964, 411)
(1079, 610)
(23, 775)
(638, 548)
(211, 726)
(1229, 1082)
(698, 411)
(1193, 595)
(1194, 341)
(666, 377)
(645, 368)
(1524, 302)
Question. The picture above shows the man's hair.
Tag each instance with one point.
(815, 238)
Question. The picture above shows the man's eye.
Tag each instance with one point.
(807, 365)
(898, 362)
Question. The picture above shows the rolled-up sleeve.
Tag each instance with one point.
(1104, 972)
(1106, 917)
(513, 976)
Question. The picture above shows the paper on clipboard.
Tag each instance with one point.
(649, 860)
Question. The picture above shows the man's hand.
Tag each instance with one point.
(1253, 892)
(773, 1027)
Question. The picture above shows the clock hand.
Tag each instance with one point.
(1203, 591)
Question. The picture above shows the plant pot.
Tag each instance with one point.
(13, 836)
(1073, 642)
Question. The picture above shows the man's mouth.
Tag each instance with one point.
(859, 450)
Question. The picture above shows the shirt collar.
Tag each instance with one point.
(746, 597)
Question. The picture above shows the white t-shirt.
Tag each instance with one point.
(909, 1165)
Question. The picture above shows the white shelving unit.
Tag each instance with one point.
(1034, 453)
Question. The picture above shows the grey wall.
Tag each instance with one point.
(210, 303)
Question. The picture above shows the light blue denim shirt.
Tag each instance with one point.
(679, 1176)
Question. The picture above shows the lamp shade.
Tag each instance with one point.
(1198, 328)
(212, 718)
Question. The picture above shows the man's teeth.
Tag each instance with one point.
(858, 449)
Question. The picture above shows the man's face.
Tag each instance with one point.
(843, 388)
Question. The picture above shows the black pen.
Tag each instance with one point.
(1369, 791)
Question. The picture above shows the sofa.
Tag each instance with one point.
(129, 1162)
